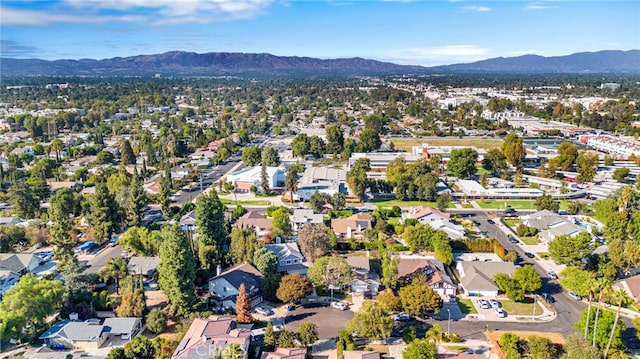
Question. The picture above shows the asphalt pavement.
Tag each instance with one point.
(209, 177)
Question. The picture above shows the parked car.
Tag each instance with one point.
(501, 313)
(113, 241)
(402, 317)
(494, 303)
(513, 239)
(264, 311)
(339, 306)
(484, 304)
(552, 275)
(529, 254)
(490, 221)
(548, 298)
(574, 296)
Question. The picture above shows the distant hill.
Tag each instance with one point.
(223, 63)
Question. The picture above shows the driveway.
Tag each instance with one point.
(330, 321)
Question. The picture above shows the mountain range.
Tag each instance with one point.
(248, 64)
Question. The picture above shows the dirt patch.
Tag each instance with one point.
(554, 337)
(155, 299)
(487, 144)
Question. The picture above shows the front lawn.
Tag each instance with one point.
(466, 306)
(532, 241)
(250, 202)
(502, 204)
(513, 223)
(404, 204)
(521, 308)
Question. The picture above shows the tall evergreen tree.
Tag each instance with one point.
(264, 180)
(243, 306)
(211, 228)
(164, 196)
(137, 201)
(127, 157)
(60, 228)
(105, 213)
(177, 269)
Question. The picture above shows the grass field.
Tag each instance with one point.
(466, 306)
(516, 308)
(502, 204)
(554, 337)
(513, 223)
(487, 144)
(401, 204)
(532, 241)
(256, 202)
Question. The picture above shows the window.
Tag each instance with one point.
(288, 262)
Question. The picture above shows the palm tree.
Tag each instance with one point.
(621, 297)
(604, 287)
(436, 334)
(115, 268)
(594, 285)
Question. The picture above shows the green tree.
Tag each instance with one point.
(60, 228)
(308, 333)
(368, 141)
(293, 287)
(528, 278)
(389, 301)
(105, 213)
(117, 353)
(389, 268)
(620, 297)
(127, 157)
(509, 286)
(301, 145)
(313, 239)
(11, 326)
(132, 302)
(338, 201)
(514, 150)
(419, 349)
(243, 245)
(603, 329)
(24, 203)
(566, 249)
(281, 222)
(547, 202)
(332, 272)
(104, 157)
(157, 320)
(576, 347)
(211, 228)
(567, 155)
(31, 299)
(494, 161)
(462, 162)
(140, 347)
(251, 156)
(116, 269)
(141, 241)
(509, 344)
(587, 163)
(243, 306)
(291, 181)
(541, 348)
(318, 201)
(372, 321)
(357, 177)
(269, 337)
(270, 156)
(164, 195)
(420, 299)
(409, 335)
(137, 202)
(285, 339)
(265, 261)
(335, 139)
(176, 271)
(621, 174)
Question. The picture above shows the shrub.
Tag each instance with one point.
(157, 320)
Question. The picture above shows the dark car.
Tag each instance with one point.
(490, 221)
(513, 240)
(529, 254)
(548, 298)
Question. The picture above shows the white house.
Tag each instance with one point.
(300, 217)
(247, 177)
(435, 219)
(477, 277)
(290, 259)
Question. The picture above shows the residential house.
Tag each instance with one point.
(437, 277)
(7, 279)
(145, 266)
(300, 217)
(351, 227)
(262, 226)
(206, 338)
(10, 221)
(286, 353)
(436, 219)
(188, 221)
(180, 172)
(631, 285)
(290, 259)
(322, 179)
(550, 225)
(19, 263)
(477, 277)
(123, 327)
(248, 177)
(55, 186)
(68, 334)
(364, 280)
(45, 352)
(225, 286)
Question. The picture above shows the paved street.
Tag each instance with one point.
(98, 260)
(330, 321)
(209, 177)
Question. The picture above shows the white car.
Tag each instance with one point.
(339, 306)
(484, 304)
(494, 303)
(574, 296)
(500, 313)
(401, 317)
(552, 275)
(264, 311)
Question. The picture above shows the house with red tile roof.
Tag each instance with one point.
(209, 337)
(286, 353)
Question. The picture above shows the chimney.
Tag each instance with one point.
(218, 269)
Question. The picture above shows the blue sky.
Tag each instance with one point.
(401, 31)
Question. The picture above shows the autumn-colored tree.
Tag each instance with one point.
(243, 306)
(293, 287)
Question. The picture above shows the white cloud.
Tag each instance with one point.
(176, 11)
(9, 16)
(476, 8)
(443, 55)
(537, 6)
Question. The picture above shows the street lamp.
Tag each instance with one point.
(449, 323)
(534, 305)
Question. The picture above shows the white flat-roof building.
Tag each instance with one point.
(623, 146)
(473, 189)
